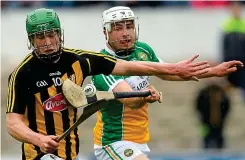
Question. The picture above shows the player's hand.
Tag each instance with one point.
(188, 69)
(226, 68)
(48, 144)
(154, 95)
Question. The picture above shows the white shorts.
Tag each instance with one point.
(120, 150)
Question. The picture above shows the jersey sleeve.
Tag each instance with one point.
(106, 83)
(154, 57)
(16, 99)
(98, 63)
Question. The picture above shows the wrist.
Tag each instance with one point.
(172, 68)
(212, 72)
(36, 140)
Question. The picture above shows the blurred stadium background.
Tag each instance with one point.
(176, 30)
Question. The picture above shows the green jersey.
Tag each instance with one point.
(120, 122)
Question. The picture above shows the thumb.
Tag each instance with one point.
(54, 137)
(153, 92)
(194, 78)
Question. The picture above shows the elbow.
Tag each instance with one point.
(12, 129)
(10, 126)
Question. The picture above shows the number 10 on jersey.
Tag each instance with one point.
(57, 81)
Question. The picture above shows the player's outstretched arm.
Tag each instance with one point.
(17, 129)
(184, 69)
(223, 69)
(130, 68)
(219, 70)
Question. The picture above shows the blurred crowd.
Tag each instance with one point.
(130, 3)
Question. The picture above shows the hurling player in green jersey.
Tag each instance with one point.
(121, 131)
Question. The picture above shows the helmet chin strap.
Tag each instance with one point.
(122, 52)
(125, 52)
(49, 58)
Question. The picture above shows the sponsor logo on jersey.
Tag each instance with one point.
(42, 83)
(138, 83)
(142, 85)
(55, 103)
(57, 73)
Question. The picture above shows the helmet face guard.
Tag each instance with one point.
(57, 45)
(114, 16)
(45, 35)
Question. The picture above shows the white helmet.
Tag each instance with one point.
(117, 14)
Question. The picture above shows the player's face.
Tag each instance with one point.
(46, 42)
(122, 35)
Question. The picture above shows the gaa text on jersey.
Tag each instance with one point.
(42, 83)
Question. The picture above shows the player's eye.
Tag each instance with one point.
(40, 36)
(130, 26)
(50, 34)
(118, 28)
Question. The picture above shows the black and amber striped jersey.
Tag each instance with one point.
(35, 91)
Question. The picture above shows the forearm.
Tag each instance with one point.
(210, 73)
(123, 86)
(162, 68)
(170, 78)
(127, 68)
(22, 133)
